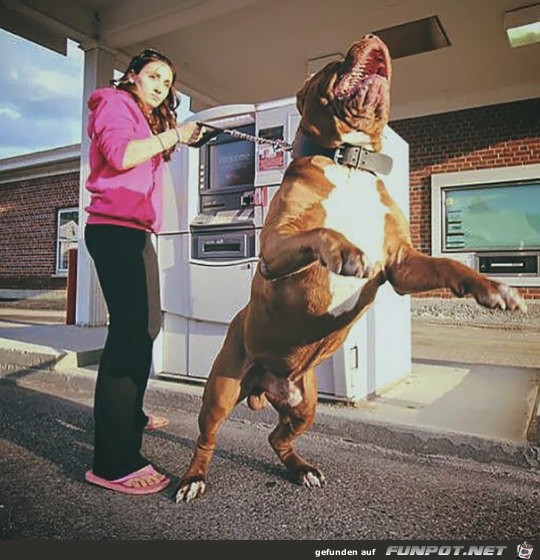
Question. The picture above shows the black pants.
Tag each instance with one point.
(126, 265)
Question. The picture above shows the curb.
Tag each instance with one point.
(35, 356)
(335, 420)
(351, 425)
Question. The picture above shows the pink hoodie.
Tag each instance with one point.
(125, 197)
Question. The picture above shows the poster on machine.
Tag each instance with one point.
(269, 157)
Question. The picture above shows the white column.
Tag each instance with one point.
(91, 309)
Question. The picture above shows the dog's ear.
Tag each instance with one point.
(323, 81)
(301, 96)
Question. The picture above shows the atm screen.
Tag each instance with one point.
(231, 164)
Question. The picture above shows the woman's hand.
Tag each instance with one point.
(139, 151)
(189, 132)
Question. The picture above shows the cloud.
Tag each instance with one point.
(9, 113)
(57, 84)
(41, 104)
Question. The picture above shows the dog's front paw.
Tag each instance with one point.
(502, 297)
(355, 263)
(190, 489)
(341, 257)
(311, 477)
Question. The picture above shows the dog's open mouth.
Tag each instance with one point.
(366, 63)
(349, 101)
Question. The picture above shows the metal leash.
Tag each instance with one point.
(278, 144)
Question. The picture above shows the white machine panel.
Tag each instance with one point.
(390, 338)
(397, 181)
(200, 297)
(173, 343)
(325, 378)
(364, 365)
(205, 341)
(219, 292)
(173, 256)
(179, 207)
(350, 365)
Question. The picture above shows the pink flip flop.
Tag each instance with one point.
(156, 422)
(119, 486)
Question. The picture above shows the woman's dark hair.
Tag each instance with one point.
(163, 117)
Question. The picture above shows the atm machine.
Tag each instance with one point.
(216, 202)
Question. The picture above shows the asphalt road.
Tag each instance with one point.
(371, 493)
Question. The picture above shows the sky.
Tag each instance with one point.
(40, 96)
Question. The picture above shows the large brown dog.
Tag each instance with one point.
(332, 236)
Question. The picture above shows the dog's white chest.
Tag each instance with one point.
(355, 210)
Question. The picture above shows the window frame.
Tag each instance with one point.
(60, 253)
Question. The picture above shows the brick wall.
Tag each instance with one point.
(28, 222)
(483, 138)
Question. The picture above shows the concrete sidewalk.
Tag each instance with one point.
(473, 391)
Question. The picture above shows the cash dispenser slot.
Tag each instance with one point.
(223, 245)
(509, 264)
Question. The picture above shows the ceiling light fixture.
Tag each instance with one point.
(522, 26)
(414, 37)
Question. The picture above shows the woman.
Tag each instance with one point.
(133, 130)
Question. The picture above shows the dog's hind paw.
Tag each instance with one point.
(190, 490)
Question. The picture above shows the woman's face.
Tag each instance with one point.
(153, 83)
